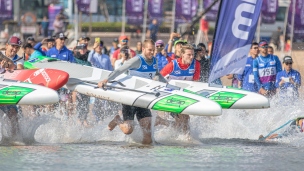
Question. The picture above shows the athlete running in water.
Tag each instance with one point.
(296, 126)
(143, 65)
(184, 68)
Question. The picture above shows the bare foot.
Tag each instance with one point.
(114, 122)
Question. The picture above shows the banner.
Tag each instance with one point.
(155, 10)
(6, 10)
(299, 19)
(53, 10)
(134, 11)
(235, 31)
(83, 6)
(269, 11)
(212, 14)
(185, 10)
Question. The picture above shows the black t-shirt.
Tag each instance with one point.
(205, 67)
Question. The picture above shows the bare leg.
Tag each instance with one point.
(182, 122)
(145, 124)
(160, 121)
(12, 115)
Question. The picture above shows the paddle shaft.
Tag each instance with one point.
(123, 88)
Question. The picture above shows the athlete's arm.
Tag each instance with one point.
(256, 74)
(132, 63)
(197, 72)
(167, 69)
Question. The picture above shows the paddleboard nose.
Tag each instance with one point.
(40, 96)
(251, 101)
(204, 107)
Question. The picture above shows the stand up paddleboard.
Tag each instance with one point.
(134, 91)
(50, 78)
(226, 97)
(15, 93)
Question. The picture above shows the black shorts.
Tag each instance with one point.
(128, 112)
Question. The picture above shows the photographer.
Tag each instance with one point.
(201, 57)
(123, 56)
(81, 55)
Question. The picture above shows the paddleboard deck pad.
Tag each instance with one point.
(50, 78)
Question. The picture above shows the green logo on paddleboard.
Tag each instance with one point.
(13, 94)
(226, 99)
(173, 103)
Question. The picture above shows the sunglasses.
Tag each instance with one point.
(125, 41)
(62, 38)
(159, 46)
(289, 63)
(255, 48)
(264, 47)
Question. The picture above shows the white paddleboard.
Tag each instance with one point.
(169, 100)
(13, 92)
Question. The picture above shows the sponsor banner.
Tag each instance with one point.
(269, 11)
(299, 19)
(83, 6)
(135, 11)
(185, 10)
(212, 14)
(6, 10)
(53, 10)
(235, 31)
(155, 10)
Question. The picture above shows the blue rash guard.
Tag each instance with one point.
(288, 90)
(265, 70)
(247, 77)
(161, 61)
(145, 70)
(38, 47)
(64, 54)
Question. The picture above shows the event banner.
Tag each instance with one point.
(134, 11)
(155, 9)
(269, 11)
(53, 10)
(299, 19)
(235, 31)
(83, 6)
(6, 10)
(185, 10)
(212, 14)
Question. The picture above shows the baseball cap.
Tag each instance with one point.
(50, 39)
(84, 38)
(30, 39)
(287, 59)
(115, 40)
(159, 42)
(14, 41)
(59, 36)
(180, 41)
(263, 43)
(123, 37)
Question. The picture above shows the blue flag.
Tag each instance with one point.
(235, 31)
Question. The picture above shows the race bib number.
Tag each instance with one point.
(267, 72)
(251, 78)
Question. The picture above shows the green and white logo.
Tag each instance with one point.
(173, 103)
(13, 94)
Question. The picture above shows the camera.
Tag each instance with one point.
(82, 46)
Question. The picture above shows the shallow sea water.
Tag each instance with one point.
(227, 142)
